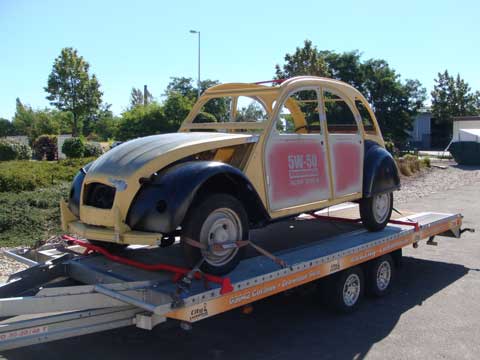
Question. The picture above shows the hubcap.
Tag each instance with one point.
(221, 226)
(351, 290)
(381, 207)
(384, 274)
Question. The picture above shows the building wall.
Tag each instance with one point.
(420, 136)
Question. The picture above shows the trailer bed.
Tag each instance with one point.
(96, 293)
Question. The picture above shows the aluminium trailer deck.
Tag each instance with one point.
(73, 294)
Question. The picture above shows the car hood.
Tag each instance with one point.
(144, 156)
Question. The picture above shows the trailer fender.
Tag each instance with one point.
(380, 173)
(163, 201)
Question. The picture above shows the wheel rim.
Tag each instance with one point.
(221, 226)
(384, 275)
(381, 207)
(351, 289)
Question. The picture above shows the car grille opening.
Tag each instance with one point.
(99, 195)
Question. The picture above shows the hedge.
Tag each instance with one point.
(45, 147)
(13, 150)
(73, 147)
(18, 176)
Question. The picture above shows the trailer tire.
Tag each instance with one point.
(376, 211)
(215, 216)
(380, 276)
(345, 290)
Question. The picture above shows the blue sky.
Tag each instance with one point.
(132, 43)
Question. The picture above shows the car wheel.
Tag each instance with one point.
(380, 276)
(375, 211)
(215, 219)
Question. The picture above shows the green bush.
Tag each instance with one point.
(93, 149)
(29, 217)
(426, 162)
(204, 117)
(16, 176)
(45, 147)
(7, 151)
(13, 150)
(73, 147)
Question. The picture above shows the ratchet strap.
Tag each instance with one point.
(237, 244)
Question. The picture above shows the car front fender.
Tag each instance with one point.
(164, 199)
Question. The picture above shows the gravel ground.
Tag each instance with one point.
(424, 183)
(435, 180)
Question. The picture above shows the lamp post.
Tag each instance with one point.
(198, 83)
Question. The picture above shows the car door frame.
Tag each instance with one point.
(273, 136)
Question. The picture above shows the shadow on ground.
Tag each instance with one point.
(282, 327)
(467, 167)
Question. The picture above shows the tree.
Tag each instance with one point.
(453, 97)
(394, 102)
(139, 97)
(23, 120)
(6, 128)
(142, 121)
(71, 88)
(176, 108)
(34, 123)
(304, 61)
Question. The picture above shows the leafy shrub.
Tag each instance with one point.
(29, 217)
(45, 147)
(93, 149)
(16, 176)
(13, 150)
(73, 147)
(204, 117)
(426, 162)
(7, 151)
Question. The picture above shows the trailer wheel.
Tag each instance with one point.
(215, 219)
(375, 211)
(380, 276)
(346, 291)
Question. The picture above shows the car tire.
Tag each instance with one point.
(380, 276)
(376, 211)
(344, 291)
(217, 218)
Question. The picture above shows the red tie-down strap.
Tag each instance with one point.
(225, 283)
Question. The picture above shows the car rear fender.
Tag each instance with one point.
(380, 173)
(163, 201)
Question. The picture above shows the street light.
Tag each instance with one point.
(198, 83)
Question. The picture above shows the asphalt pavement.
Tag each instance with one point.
(432, 312)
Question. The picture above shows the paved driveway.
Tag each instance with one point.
(432, 312)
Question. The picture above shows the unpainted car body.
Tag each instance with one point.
(274, 151)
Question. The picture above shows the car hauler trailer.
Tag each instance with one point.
(77, 288)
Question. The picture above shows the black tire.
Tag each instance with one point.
(380, 276)
(338, 296)
(113, 248)
(209, 213)
(372, 218)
